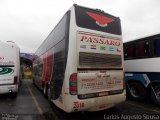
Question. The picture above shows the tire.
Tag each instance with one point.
(157, 92)
(137, 91)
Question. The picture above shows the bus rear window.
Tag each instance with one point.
(95, 20)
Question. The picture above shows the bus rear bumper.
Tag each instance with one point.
(98, 103)
(8, 89)
(108, 102)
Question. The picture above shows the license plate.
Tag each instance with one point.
(103, 94)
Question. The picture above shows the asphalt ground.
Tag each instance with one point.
(30, 104)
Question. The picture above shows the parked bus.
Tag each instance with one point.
(142, 67)
(80, 64)
(9, 68)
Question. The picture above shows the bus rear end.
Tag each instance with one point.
(9, 64)
(98, 82)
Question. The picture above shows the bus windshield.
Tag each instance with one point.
(96, 20)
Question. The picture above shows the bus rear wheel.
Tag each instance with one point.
(137, 91)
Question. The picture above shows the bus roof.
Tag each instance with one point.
(141, 38)
(95, 9)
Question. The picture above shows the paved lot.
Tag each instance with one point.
(30, 104)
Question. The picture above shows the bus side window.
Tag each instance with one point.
(129, 51)
(40, 69)
(35, 70)
(157, 46)
(58, 69)
(147, 48)
(142, 49)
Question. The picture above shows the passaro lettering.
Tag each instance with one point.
(92, 39)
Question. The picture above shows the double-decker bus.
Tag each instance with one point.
(9, 68)
(142, 67)
(80, 64)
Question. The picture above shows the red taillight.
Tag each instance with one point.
(15, 80)
(73, 88)
(73, 84)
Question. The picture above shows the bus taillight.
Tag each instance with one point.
(73, 84)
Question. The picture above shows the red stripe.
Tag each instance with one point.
(44, 67)
(49, 65)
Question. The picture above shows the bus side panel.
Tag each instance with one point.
(139, 77)
(44, 77)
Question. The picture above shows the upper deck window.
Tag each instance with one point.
(157, 46)
(129, 51)
(96, 20)
(142, 49)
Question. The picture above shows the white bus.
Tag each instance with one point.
(9, 67)
(80, 64)
(142, 67)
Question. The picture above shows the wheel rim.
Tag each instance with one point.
(44, 90)
(134, 92)
(49, 94)
(158, 93)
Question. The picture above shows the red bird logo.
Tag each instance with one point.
(100, 20)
